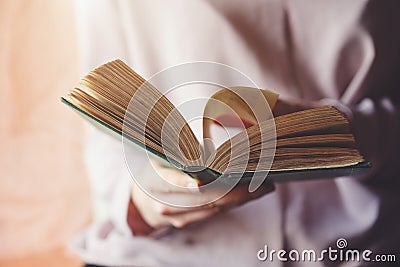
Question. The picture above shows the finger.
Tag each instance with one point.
(286, 106)
(169, 210)
(147, 208)
(177, 180)
(176, 177)
(240, 194)
(184, 219)
(237, 196)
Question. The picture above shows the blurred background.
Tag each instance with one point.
(44, 191)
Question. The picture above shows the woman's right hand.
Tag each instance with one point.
(159, 215)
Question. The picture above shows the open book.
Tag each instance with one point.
(314, 143)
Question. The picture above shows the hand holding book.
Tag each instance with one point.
(161, 216)
(309, 141)
(310, 144)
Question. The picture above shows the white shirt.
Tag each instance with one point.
(341, 52)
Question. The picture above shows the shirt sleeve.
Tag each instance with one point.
(111, 183)
(110, 179)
